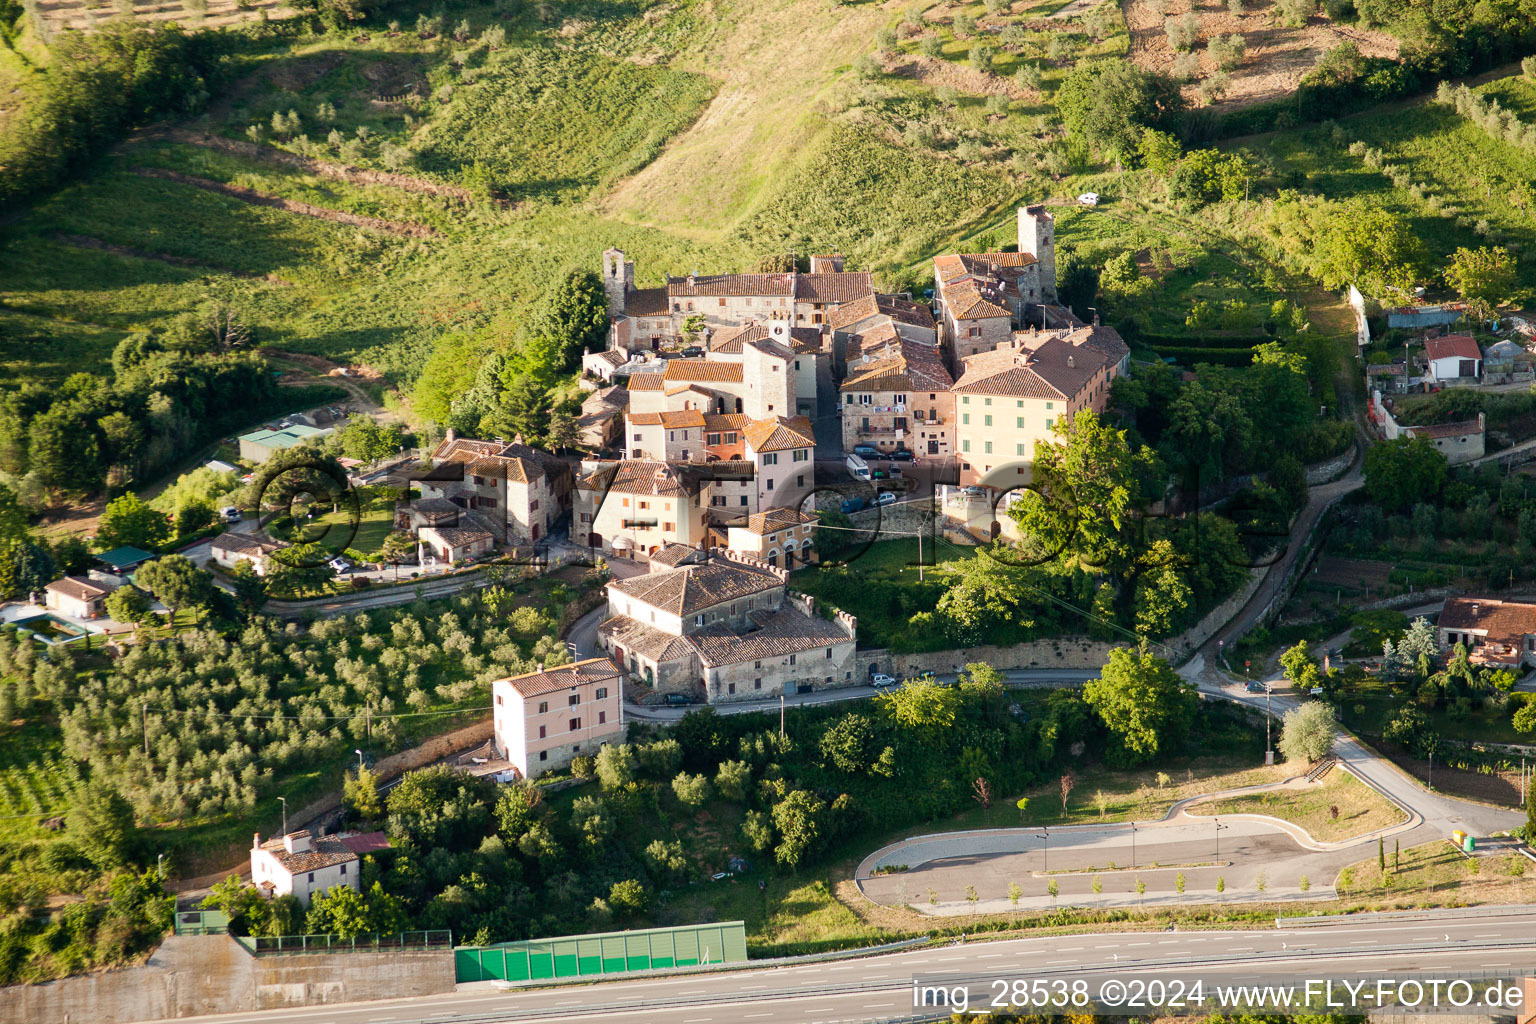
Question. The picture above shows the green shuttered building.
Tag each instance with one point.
(584, 956)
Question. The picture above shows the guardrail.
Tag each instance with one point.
(290, 945)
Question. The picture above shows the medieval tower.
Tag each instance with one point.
(619, 276)
(1037, 236)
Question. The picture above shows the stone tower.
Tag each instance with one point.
(768, 378)
(1037, 236)
(619, 277)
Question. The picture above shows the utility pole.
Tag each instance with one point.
(1219, 827)
(1269, 749)
(1046, 835)
(781, 716)
(285, 814)
(1133, 846)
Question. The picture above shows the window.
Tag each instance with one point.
(1047, 423)
(498, 698)
(973, 332)
(669, 526)
(543, 706)
(757, 684)
(1019, 422)
(722, 302)
(987, 420)
(965, 446)
(829, 652)
(1021, 403)
(586, 517)
(575, 724)
(988, 447)
(637, 437)
(965, 418)
(543, 731)
(543, 755)
(343, 869)
(575, 699)
(769, 485)
(771, 459)
(757, 664)
(986, 401)
(743, 500)
(533, 506)
(698, 620)
(602, 693)
(791, 659)
(645, 504)
(602, 718)
(801, 454)
(965, 399)
(1020, 450)
(731, 688)
(311, 876)
(1050, 405)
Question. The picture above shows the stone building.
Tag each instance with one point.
(512, 490)
(727, 629)
(896, 396)
(631, 508)
(981, 297)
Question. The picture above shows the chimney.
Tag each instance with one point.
(298, 842)
(1071, 363)
(450, 435)
(256, 840)
(541, 666)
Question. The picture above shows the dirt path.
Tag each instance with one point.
(319, 371)
(87, 242)
(250, 195)
(325, 169)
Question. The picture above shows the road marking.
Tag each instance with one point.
(749, 1016)
(1169, 942)
(697, 1020)
(1052, 962)
(1070, 949)
(1365, 942)
(1239, 949)
(1138, 943)
(947, 959)
(988, 956)
(1488, 935)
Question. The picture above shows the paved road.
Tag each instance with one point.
(881, 987)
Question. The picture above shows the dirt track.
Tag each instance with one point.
(250, 195)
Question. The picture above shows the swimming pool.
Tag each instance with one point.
(51, 629)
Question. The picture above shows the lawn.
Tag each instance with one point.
(1361, 810)
(881, 588)
(1436, 873)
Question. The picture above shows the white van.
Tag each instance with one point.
(858, 467)
(230, 514)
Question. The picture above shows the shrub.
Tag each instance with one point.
(1227, 50)
(930, 46)
(1294, 13)
(1182, 31)
(965, 25)
(982, 56)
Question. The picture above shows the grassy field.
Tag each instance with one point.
(1440, 871)
(1361, 810)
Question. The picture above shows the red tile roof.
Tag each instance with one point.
(1453, 346)
(536, 684)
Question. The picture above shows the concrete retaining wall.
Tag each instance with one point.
(192, 975)
(1323, 472)
(1066, 652)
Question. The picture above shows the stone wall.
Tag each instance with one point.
(191, 976)
(1322, 472)
(1065, 652)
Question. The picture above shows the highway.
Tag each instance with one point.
(1433, 944)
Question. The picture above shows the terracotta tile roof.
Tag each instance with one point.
(778, 634)
(968, 302)
(1501, 620)
(1453, 346)
(672, 555)
(891, 307)
(646, 640)
(607, 400)
(328, 852)
(674, 419)
(78, 588)
(805, 340)
(772, 521)
(642, 476)
(730, 340)
(1105, 340)
(365, 842)
(1386, 370)
(958, 265)
(780, 434)
(646, 302)
(731, 285)
(1461, 428)
(612, 357)
(1054, 369)
(649, 381)
(769, 347)
(690, 588)
(700, 370)
(459, 536)
(436, 509)
(727, 421)
(888, 362)
(497, 459)
(844, 287)
(552, 680)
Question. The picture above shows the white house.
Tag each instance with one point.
(302, 865)
(1453, 357)
(543, 719)
(230, 549)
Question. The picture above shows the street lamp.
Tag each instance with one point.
(1269, 750)
(1133, 846)
(159, 865)
(359, 754)
(1219, 827)
(1047, 837)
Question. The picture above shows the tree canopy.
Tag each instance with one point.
(1107, 103)
(1143, 702)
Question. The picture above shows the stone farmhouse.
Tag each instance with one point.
(1497, 633)
(480, 495)
(726, 629)
(300, 864)
(982, 297)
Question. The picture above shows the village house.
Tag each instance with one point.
(1500, 634)
(664, 317)
(982, 297)
(542, 719)
(300, 864)
(229, 549)
(77, 597)
(514, 492)
(1453, 359)
(1008, 399)
(725, 629)
(1461, 441)
(897, 397)
(601, 423)
(631, 508)
(780, 533)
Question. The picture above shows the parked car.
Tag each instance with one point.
(1255, 688)
(853, 504)
(901, 455)
(340, 565)
(675, 700)
(693, 351)
(879, 474)
(1089, 199)
(866, 451)
(886, 498)
(230, 514)
(927, 676)
(880, 680)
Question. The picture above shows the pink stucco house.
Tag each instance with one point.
(545, 718)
